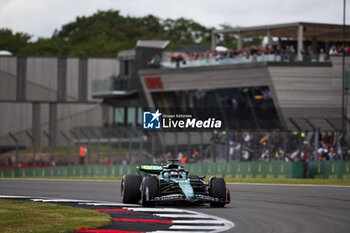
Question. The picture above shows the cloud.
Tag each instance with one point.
(41, 17)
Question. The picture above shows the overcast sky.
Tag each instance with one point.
(41, 17)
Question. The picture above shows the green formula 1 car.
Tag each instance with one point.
(172, 183)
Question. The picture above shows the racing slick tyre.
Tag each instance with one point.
(130, 189)
(150, 188)
(217, 190)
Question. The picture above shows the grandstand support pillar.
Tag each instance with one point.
(240, 41)
(213, 40)
(53, 123)
(83, 79)
(61, 78)
(36, 123)
(326, 49)
(314, 45)
(300, 42)
(176, 144)
(269, 38)
(21, 79)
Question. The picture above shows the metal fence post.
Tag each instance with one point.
(49, 138)
(88, 146)
(241, 148)
(16, 143)
(97, 135)
(130, 146)
(213, 149)
(316, 130)
(285, 138)
(201, 147)
(141, 144)
(33, 146)
(109, 143)
(269, 146)
(227, 149)
(336, 135)
(77, 138)
(188, 144)
(68, 146)
(119, 146)
(176, 144)
(153, 145)
(164, 146)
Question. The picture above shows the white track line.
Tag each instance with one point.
(108, 203)
(175, 231)
(197, 222)
(187, 227)
(62, 200)
(179, 216)
(15, 197)
(157, 210)
(227, 224)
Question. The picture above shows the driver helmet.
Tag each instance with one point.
(166, 174)
(174, 174)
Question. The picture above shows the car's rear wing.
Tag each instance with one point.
(150, 168)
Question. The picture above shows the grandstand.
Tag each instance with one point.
(276, 87)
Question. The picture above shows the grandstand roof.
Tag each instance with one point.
(323, 32)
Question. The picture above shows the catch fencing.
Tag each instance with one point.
(231, 170)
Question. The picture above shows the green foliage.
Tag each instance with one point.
(228, 41)
(106, 33)
(13, 42)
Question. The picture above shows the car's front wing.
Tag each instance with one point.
(182, 197)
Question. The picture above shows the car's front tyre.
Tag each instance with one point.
(150, 187)
(217, 189)
(130, 189)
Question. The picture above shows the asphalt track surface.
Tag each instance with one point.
(253, 208)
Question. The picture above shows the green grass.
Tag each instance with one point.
(26, 216)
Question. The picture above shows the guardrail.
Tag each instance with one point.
(330, 170)
(325, 170)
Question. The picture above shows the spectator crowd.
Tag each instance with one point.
(286, 54)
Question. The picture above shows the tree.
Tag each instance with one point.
(13, 42)
(186, 32)
(106, 33)
(228, 41)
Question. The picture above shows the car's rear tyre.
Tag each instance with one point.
(130, 189)
(150, 187)
(217, 189)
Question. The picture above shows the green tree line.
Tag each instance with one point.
(106, 33)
